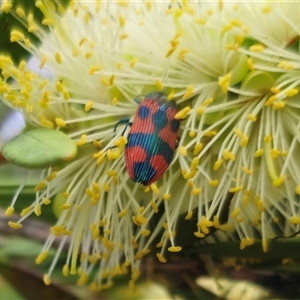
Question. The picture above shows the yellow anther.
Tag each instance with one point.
(95, 69)
(160, 258)
(244, 141)
(89, 192)
(41, 185)
(275, 90)
(278, 181)
(216, 222)
(231, 47)
(174, 249)
(182, 150)
(294, 220)
(224, 81)
(238, 132)
(275, 153)
(247, 170)
(213, 182)
(60, 122)
(209, 133)
(141, 219)
(88, 105)
(145, 232)
(266, 9)
(170, 51)
(258, 153)
(188, 175)
(198, 148)
(260, 206)
(170, 96)
(141, 254)
(218, 164)
(264, 245)
(160, 244)
(9, 211)
(113, 154)
(199, 234)
(268, 138)
(41, 257)
(159, 85)
(114, 101)
(123, 36)
(246, 242)
(25, 211)
(189, 92)
(257, 48)
(166, 196)
(133, 62)
(278, 105)
(57, 58)
(250, 64)
(154, 188)
(111, 173)
(133, 242)
(65, 270)
(181, 115)
(235, 189)
(122, 21)
(235, 212)
(37, 210)
(194, 164)
(297, 189)
(291, 92)
(200, 110)
(228, 155)
(47, 22)
(189, 215)
(16, 36)
(182, 54)
(46, 279)
(66, 206)
(121, 141)
(196, 191)
(192, 134)
(271, 100)
(154, 206)
(20, 12)
(51, 176)
(104, 81)
(227, 27)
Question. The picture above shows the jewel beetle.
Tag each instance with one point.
(152, 138)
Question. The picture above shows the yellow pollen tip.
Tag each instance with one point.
(15, 225)
(46, 279)
(159, 85)
(189, 215)
(213, 182)
(257, 48)
(218, 164)
(154, 188)
(235, 189)
(278, 181)
(166, 196)
(9, 211)
(41, 257)
(181, 115)
(41, 185)
(174, 249)
(182, 150)
(60, 122)
(160, 258)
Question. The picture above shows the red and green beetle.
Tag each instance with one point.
(152, 138)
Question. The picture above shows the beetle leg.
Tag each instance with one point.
(123, 121)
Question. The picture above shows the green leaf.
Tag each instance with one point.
(7, 291)
(39, 148)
